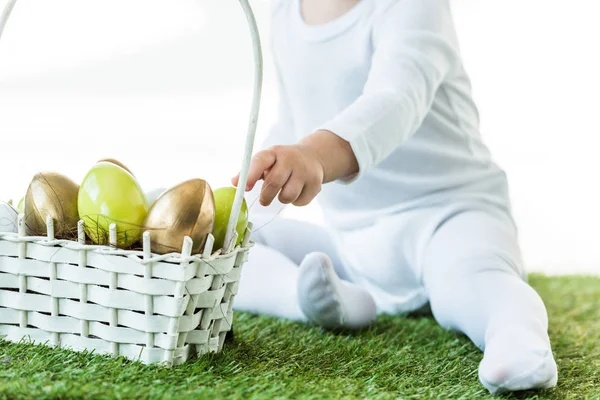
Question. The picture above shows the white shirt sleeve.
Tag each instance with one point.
(414, 50)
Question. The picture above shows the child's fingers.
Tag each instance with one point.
(309, 192)
(235, 180)
(274, 181)
(261, 162)
(291, 190)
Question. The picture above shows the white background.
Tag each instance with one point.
(165, 86)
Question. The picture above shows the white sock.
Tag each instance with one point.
(516, 360)
(328, 301)
(506, 318)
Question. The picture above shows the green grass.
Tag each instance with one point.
(407, 358)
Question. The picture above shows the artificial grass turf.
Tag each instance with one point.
(406, 358)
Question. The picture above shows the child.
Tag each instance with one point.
(376, 106)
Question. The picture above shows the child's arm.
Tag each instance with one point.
(415, 48)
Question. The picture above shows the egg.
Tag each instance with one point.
(109, 194)
(54, 195)
(187, 209)
(8, 218)
(224, 198)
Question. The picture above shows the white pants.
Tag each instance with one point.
(402, 260)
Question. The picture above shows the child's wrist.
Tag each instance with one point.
(333, 153)
(312, 151)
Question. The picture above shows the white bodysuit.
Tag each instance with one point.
(387, 77)
(427, 218)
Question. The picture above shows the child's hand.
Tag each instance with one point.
(295, 172)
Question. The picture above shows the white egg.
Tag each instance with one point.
(9, 218)
(152, 195)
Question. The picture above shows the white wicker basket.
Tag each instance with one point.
(155, 309)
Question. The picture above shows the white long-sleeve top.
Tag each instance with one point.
(387, 77)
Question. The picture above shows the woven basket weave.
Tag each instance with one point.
(155, 309)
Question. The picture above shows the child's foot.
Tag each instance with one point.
(517, 360)
(328, 301)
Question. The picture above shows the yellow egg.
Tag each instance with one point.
(111, 195)
(55, 195)
(187, 209)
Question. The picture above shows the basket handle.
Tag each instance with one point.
(252, 125)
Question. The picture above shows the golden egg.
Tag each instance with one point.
(187, 209)
(55, 195)
(116, 162)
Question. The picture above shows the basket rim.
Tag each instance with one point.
(173, 257)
